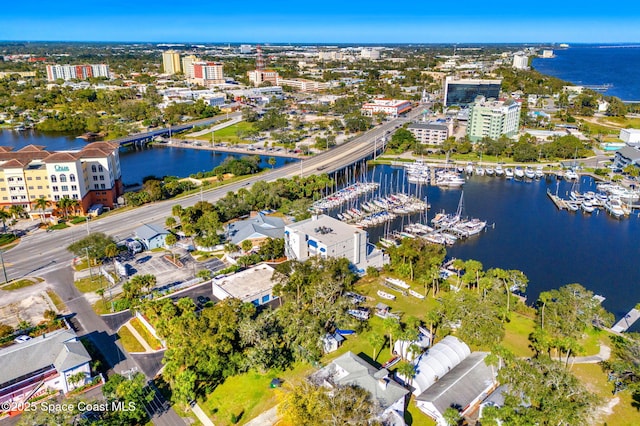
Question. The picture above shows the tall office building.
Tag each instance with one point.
(459, 91)
(187, 62)
(171, 62)
(80, 72)
(206, 73)
(493, 119)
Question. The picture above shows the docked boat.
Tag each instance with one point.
(449, 179)
(499, 170)
(614, 207)
(508, 173)
(529, 173)
(539, 173)
(518, 173)
(573, 207)
(570, 175)
(469, 169)
(479, 171)
(587, 206)
(489, 171)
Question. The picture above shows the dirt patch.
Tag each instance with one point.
(30, 308)
(605, 410)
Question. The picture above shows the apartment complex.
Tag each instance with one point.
(79, 72)
(390, 107)
(302, 84)
(187, 62)
(91, 176)
(430, 133)
(491, 118)
(171, 62)
(205, 73)
(459, 91)
(520, 61)
(257, 77)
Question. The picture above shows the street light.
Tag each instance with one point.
(88, 218)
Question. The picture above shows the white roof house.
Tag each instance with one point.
(253, 285)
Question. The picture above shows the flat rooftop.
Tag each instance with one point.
(325, 229)
(248, 283)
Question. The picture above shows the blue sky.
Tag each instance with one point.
(327, 21)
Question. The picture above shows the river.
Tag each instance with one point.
(136, 163)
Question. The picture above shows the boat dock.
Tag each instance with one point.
(627, 321)
(559, 202)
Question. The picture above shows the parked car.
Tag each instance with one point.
(22, 339)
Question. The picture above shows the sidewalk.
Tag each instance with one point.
(137, 335)
(206, 421)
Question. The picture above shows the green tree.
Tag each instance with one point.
(96, 243)
(452, 416)
(133, 393)
(246, 245)
(272, 162)
(376, 341)
(42, 204)
(4, 215)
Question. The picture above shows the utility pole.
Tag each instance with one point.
(88, 233)
(4, 269)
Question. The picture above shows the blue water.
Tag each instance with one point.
(136, 163)
(597, 65)
(552, 247)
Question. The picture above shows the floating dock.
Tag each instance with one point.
(627, 321)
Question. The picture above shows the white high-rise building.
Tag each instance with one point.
(187, 65)
(493, 119)
(372, 54)
(520, 61)
(80, 72)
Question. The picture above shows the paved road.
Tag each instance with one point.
(44, 251)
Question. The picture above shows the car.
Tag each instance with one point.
(143, 259)
(22, 339)
(203, 299)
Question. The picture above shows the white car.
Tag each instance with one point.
(22, 339)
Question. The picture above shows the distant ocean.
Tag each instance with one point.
(617, 66)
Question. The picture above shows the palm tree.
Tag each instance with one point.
(73, 205)
(16, 211)
(63, 204)
(4, 215)
(407, 370)
(41, 204)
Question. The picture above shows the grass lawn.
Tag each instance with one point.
(592, 340)
(88, 284)
(414, 417)
(623, 413)
(623, 122)
(248, 394)
(140, 328)
(25, 282)
(129, 342)
(229, 134)
(60, 306)
(104, 307)
(516, 337)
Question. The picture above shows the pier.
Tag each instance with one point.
(627, 321)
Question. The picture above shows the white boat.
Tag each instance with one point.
(573, 207)
(479, 171)
(499, 170)
(539, 173)
(398, 283)
(518, 173)
(570, 175)
(489, 171)
(416, 294)
(509, 173)
(614, 207)
(469, 169)
(587, 206)
(385, 295)
(529, 173)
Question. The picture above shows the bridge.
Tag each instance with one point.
(139, 139)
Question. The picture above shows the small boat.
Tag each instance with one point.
(499, 170)
(518, 173)
(489, 171)
(479, 171)
(587, 206)
(509, 173)
(614, 207)
(570, 175)
(416, 294)
(469, 169)
(385, 295)
(573, 207)
(529, 173)
(539, 173)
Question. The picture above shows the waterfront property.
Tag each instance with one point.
(630, 136)
(492, 118)
(351, 370)
(625, 156)
(253, 285)
(432, 133)
(90, 176)
(41, 364)
(324, 236)
(458, 91)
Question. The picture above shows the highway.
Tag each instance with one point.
(41, 251)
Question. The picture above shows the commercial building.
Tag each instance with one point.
(351, 370)
(330, 55)
(323, 236)
(257, 77)
(253, 285)
(246, 48)
(303, 85)
(491, 118)
(79, 72)
(547, 54)
(450, 375)
(459, 91)
(206, 73)
(630, 136)
(171, 62)
(41, 364)
(432, 133)
(625, 156)
(255, 229)
(372, 54)
(391, 107)
(520, 61)
(91, 176)
(152, 236)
